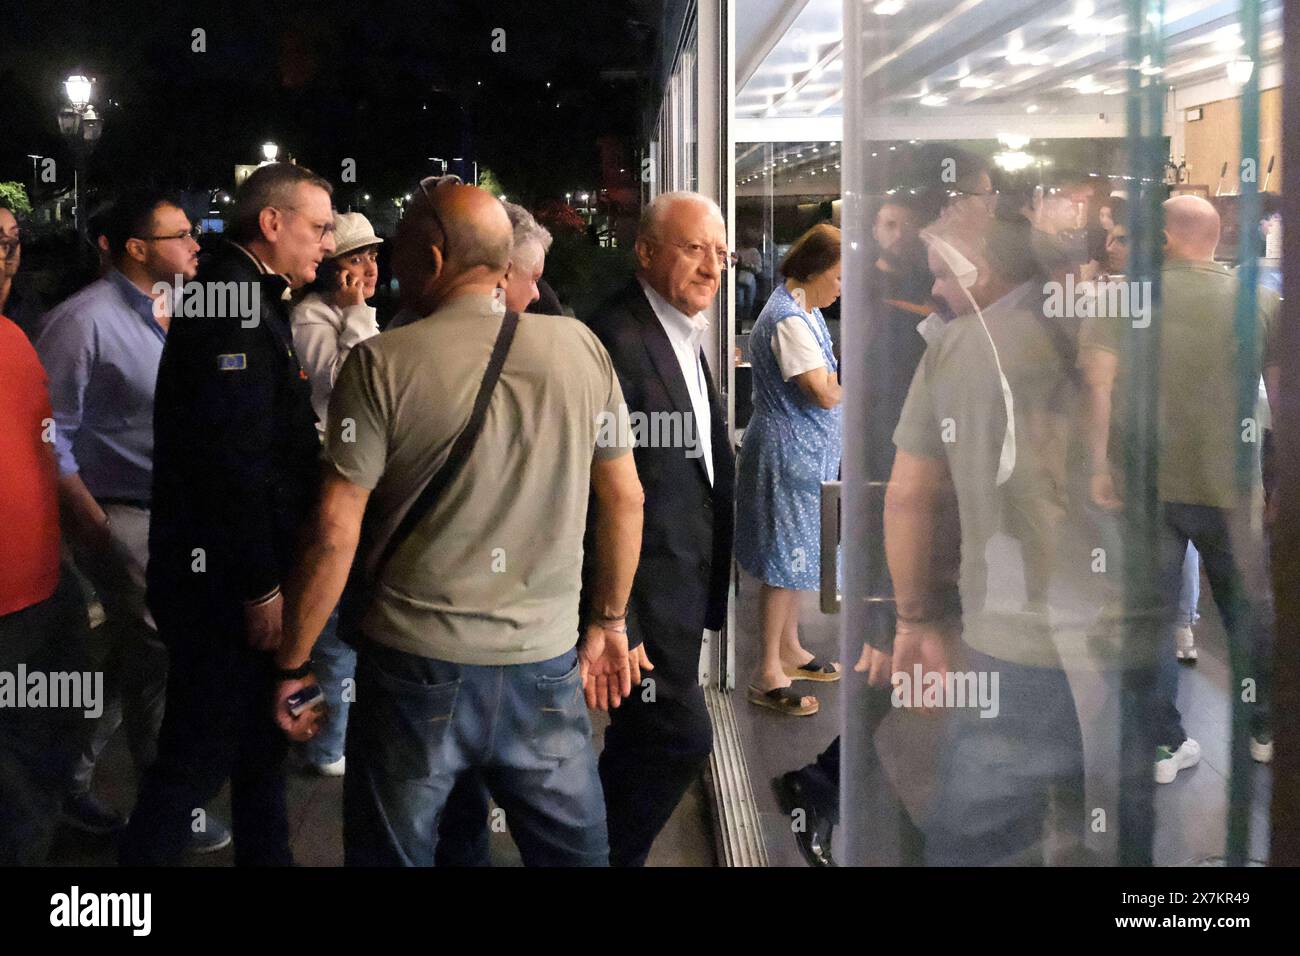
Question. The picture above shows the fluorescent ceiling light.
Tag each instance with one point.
(1085, 84)
(887, 8)
(1013, 160)
(1147, 69)
(1025, 58)
(1239, 69)
(975, 82)
(934, 99)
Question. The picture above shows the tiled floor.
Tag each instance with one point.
(1190, 812)
(316, 814)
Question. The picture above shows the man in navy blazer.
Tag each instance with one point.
(660, 737)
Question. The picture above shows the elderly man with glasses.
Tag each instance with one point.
(654, 329)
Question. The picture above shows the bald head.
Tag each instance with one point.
(1191, 228)
(470, 255)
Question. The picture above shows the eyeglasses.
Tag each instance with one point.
(989, 198)
(188, 234)
(427, 185)
(322, 228)
(696, 251)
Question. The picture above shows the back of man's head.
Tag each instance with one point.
(453, 237)
(1191, 228)
(275, 184)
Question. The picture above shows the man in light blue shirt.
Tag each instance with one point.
(101, 350)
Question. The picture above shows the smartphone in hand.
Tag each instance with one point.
(301, 701)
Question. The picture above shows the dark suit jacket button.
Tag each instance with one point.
(708, 503)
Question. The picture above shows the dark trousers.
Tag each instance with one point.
(1234, 560)
(217, 726)
(657, 743)
(38, 746)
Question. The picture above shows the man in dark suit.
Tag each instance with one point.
(235, 475)
(660, 737)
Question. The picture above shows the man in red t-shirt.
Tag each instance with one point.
(43, 626)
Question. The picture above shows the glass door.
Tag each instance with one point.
(1057, 439)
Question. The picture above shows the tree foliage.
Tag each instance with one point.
(13, 196)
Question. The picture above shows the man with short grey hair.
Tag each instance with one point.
(527, 257)
(235, 474)
(659, 739)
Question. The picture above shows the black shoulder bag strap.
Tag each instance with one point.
(357, 598)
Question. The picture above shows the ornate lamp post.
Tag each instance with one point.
(82, 127)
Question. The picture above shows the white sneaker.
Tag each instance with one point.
(334, 769)
(1185, 644)
(302, 765)
(1168, 764)
(1261, 750)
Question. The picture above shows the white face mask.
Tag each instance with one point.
(965, 273)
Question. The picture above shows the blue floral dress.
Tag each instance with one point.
(790, 447)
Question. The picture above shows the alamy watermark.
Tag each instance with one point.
(1111, 298)
(75, 690)
(946, 690)
(649, 430)
(212, 300)
(74, 908)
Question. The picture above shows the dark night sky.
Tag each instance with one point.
(385, 83)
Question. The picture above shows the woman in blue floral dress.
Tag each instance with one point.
(792, 445)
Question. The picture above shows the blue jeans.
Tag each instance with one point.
(1008, 786)
(419, 723)
(1189, 595)
(333, 663)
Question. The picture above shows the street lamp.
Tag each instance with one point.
(82, 127)
(78, 89)
(270, 151)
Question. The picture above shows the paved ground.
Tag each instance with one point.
(316, 815)
(1190, 812)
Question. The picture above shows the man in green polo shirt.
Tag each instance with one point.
(1203, 497)
(469, 659)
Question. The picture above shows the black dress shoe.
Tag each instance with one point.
(814, 837)
(89, 814)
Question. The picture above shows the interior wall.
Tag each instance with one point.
(1216, 137)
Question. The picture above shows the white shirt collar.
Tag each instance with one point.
(683, 328)
(264, 269)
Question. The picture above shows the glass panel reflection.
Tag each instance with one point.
(1053, 343)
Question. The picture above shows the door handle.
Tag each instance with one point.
(830, 541)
